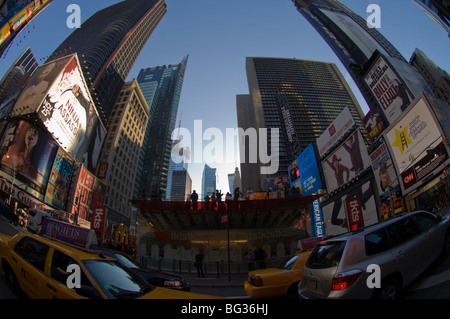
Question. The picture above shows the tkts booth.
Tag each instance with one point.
(51, 139)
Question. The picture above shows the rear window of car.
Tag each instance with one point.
(326, 255)
(377, 242)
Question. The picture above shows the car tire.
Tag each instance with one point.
(390, 289)
(11, 279)
(293, 291)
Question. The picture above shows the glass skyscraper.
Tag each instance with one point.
(161, 87)
(301, 98)
(108, 44)
(209, 181)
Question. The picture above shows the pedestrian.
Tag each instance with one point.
(194, 199)
(250, 259)
(237, 194)
(199, 264)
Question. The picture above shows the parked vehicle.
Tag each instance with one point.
(156, 278)
(35, 219)
(403, 247)
(8, 212)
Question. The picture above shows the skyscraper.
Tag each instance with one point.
(361, 47)
(301, 98)
(209, 180)
(108, 44)
(161, 87)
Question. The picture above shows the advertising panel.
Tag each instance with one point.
(374, 124)
(388, 88)
(331, 136)
(384, 171)
(416, 132)
(59, 181)
(354, 213)
(70, 115)
(335, 214)
(13, 15)
(305, 170)
(98, 210)
(344, 164)
(30, 152)
(82, 197)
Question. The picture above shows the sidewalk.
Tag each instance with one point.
(211, 280)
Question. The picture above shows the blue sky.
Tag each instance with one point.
(219, 35)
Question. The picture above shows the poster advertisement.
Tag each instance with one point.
(388, 88)
(344, 164)
(82, 197)
(335, 214)
(98, 210)
(384, 172)
(374, 124)
(59, 181)
(30, 152)
(416, 132)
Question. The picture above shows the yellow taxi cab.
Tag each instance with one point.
(44, 267)
(280, 282)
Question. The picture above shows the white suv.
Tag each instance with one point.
(402, 247)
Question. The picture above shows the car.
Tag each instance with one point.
(35, 219)
(277, 282)
(376, 261)
(46, 267)
(8, 212)
(160, 279)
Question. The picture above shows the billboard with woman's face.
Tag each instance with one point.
(29, 152)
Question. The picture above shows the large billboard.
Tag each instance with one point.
(384, 171)
(417, 145)
(304, 172)
(59, 95)
(332, 135)
(388, 88)
(360, 201)
(81, 199)
(346, 162)
(374, 124)
(30, 152)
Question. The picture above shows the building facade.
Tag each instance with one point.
(161, 87)
(300, 98)
(108, 44)
(120, 153)
(209, 181)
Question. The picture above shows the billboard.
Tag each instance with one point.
(331, 136)
(374, 124)
(390, 91)
(59, 181)
(98, 210)
(59, 95)
(346, 162)
(305, 171)
(30, 151)
(384, 171)
(335, 214)
(81, 200)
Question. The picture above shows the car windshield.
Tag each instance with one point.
(125, 261)
(116, 281)
(326, 255)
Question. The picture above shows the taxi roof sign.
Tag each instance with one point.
(66, 233)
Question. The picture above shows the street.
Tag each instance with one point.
(434, 283)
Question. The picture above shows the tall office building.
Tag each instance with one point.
(360, 47)
(108, 44)
(209, 181)
(161, 87)
(301, 98)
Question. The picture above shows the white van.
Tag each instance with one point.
(35, 219)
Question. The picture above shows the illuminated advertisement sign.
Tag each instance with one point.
(14, 14)
(374, 124)
(388, 88)
(305, 170)
(344, 164)
(384, 171)
(98, 210)
(58, 184)
(354, 213)
(30, 152)
(82, 197)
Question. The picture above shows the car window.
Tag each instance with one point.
(424, 221)
(32, 251)
(403, 230)
(291, 262)
(326, 255)
(60, 263)
(125, 261)
(377, 242)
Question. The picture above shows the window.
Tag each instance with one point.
(377, 242)
(424, 221)
(403, 230)
(32, 251)
(326, 255)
